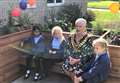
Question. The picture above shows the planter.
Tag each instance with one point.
(13, 37)
(9, 57)
(115, 59)
(7, 64)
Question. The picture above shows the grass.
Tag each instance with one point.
(106, 18)
(100, 4)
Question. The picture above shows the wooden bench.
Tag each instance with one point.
(114, 55)
(26, 49)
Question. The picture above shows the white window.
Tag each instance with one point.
(55, 2)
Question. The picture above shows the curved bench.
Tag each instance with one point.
(7, 63)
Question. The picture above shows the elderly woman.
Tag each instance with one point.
(79, 50)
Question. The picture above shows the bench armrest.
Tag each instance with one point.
(21, 49)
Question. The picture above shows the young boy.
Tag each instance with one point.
(97, 70)
(36, 41)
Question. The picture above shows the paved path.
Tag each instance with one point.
(52, 78)
(96, 9)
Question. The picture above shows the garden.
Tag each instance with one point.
(105, 19)
(101, 3)
(99, 22)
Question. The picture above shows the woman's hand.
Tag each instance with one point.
(73, 61)
(77, 79)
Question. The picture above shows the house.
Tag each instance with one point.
(40, 10)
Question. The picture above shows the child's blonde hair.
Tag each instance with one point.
(103, 43)
(60, 30)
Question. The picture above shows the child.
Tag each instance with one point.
(36, 41)
(56, 49)
(97, 70)
(57, 44)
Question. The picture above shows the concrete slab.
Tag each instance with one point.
(52, 78)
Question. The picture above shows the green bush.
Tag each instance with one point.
(98, 30)
(69, 13)
(15, 24)
(24, 20)
(64, 25)
(113, 25)
(115, 0)
(90, 16)
(110, 0)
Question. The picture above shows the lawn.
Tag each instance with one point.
(100, 4)
(107, 19)
(105, 16)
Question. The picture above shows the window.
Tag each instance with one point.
(58, 1)
(55, 2)
(50, 1)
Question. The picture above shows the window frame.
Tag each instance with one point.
(55, 4)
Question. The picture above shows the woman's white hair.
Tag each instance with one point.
(81, 20)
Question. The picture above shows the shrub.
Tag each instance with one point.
(90, 16)
(115, 0)
(113, 25)
(110, 0)
(15, 24)
(24, 20)
(98, 30)
(116, 39)
(69, 13)
(66, 26)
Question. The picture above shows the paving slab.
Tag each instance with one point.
(51, 78)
